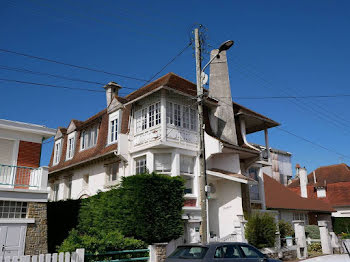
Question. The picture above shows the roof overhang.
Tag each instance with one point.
(230, 177)
(255, 123)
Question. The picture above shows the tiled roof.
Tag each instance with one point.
(277, 196)
(331, 174)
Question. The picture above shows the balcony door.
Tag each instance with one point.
(12, 240)
(7, 158)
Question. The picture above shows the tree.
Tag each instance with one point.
(260, 230)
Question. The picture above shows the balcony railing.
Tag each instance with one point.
(20, 177)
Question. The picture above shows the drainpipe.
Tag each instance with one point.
(243, 132)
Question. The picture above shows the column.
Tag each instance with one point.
(325, 237)
(300, 238)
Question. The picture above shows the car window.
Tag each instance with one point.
(228, 251)
(250, 252)
(188, 252)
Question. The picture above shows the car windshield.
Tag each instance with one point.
(188, 252)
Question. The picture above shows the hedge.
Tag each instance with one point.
(261, 230)
(341, 225)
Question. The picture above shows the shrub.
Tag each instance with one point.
(147, 207)
(314, 247)
(345, 236)
(312, 231)
(341, 225)
(99, 243)
(260, 230)
(286, 228)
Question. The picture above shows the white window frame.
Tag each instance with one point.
(113, 128)
(257, 170)
(57, 152)
(181, 116)
(182, 161)
(140, 163)
(147, 117)
(70, 146)
(163, 162)
(89, 137)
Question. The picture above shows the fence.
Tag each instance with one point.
(77, 256)
(120, 256)
(346, 246)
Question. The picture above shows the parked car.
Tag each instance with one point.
(218, 252)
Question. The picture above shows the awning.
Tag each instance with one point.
(239, 178)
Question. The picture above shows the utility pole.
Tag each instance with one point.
(202, 166)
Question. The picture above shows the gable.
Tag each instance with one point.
(114, 105)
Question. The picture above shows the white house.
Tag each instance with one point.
(156, 128)
(23, 189)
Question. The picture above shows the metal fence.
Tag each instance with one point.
(120, 256)
(19, 176)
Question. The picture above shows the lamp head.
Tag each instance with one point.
(226, 45)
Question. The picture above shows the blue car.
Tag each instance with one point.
(218, 252)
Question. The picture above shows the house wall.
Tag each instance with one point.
(287, 215)
(29, 154)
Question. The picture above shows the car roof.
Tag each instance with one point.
(213, 244)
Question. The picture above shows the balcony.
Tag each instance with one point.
(19, 177)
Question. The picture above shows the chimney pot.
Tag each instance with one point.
(112, 89)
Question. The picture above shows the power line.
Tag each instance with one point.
(49, 85)
(313, 143)
(70, 65)
(289, 97)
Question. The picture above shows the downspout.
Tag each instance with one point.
(243, 132)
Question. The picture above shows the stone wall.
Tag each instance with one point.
(158, 252)
(36, 237)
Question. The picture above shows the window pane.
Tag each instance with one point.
(151, 116)
(162, 162)
(186, 164)
(140, 165)
(138, 121)
(188, 252)
(249, 252)
(144, 119)
(228, 251)
(193, 119)
(185, 117)
(158, 114)
(169, 113)
(177, 115)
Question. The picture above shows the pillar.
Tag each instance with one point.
(325, 237)
(300, 239)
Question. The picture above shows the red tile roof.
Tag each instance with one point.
(277, 196)
(331, 174)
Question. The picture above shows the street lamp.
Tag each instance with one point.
(223, 47)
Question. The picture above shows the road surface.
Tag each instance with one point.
(330, 258)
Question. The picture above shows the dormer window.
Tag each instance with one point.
(88, 137)
(70, 146)
(113, 127)
(57, 152)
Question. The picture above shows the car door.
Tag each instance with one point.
(227, 253)
(250, 253)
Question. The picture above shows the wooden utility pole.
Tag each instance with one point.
(202, 166)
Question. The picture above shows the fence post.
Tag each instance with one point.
(80, 254)
(325, 238)
(300, 238)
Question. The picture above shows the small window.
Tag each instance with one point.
(113, 130)
(162, 162)
(229, 251)
(140, 165)
(13, 209)
(89, 137)
(113, 172)
(188, 184)
(70, 146)
(55, 191)
(57, 152)
(187, 164)
(169, 113)
(250, 252)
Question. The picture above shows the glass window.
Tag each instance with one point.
(177, 115)
(254, 189)
(162, 162)
(187, 164)
(13, 209)
(113, 130)
(193, 119)
(138, 118)
(113, 172)
(55, 191)
(188, 184)
(144, 118)
(89, 137)
(57, 152)
(151, 111)
(158, 113)
(169, 113)
(189, 252)
(70, 149)
(140, 165)
(251, 252)
(186, 117)
(229, 251)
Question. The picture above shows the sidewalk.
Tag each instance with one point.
(330, 258)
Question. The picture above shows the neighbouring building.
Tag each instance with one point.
(330, 184)
(23, 189)
(155, 128)
(291, 206)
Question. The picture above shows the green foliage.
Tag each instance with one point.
(62, 217)
(260, 230)
(99, 243)
(286, 228)
(147, 207)
(312, 231)
(314, 248)
(345, 236)
(341, 225)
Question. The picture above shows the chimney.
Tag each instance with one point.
(303, 182)
(112, 89)
(219, 88)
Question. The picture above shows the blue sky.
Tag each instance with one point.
(297, 48)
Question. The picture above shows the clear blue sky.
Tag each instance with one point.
(296, 48)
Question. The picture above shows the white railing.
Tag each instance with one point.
(229, 238)
(181, 135)
(147, 136)
(23, 177)
(77, 256)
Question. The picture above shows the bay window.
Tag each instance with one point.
(181, 116)
(147, 117)
(162, 162)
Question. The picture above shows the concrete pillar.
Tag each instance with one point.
(157, 252)
(240, 229)
(325, 237)
(300, 239)
(44, 170)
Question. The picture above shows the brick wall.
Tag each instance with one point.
(36, 237)
(29, 154)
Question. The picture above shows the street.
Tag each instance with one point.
(332, 258)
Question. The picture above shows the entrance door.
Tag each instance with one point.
(12, 239)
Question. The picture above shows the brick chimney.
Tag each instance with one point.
(219, 88)
(112, 89)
